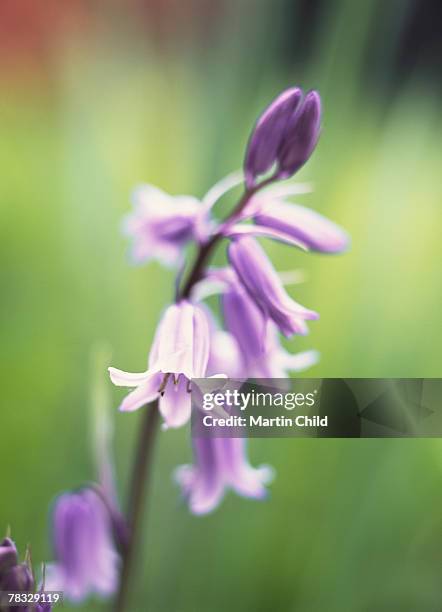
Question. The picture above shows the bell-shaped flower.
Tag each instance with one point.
(220, 464)
(86, 559)
(161, 225)
(245, 321)
(180, 352)
(261, 352)
(262, 283)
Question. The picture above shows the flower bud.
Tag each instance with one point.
(18, 578)
(8, 555)
(269, 133)
(301, 136)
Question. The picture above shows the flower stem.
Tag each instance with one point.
(206, 249)
(141, 476)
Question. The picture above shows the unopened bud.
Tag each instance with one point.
(18, 578)
(8, 555)
(301, 136)
(269, 133)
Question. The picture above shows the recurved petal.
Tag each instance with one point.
(128, 379)
(298, 362)
(144, 394)
(202, 483)
(242, 477)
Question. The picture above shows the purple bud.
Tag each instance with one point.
(8, 555)
(269, 133)
(301, 136)
(18, 578)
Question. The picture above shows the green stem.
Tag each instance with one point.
(141, 477)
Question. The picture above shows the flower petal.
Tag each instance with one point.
(128, 379)
(309, 227)
(144, 394)
(259, 278)
(264, 232)
(175, 403)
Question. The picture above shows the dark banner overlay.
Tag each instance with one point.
(317, 407)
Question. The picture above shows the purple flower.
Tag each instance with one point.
(269, 133)
(8, 556)
(246, 322)
(301, 136)
(259, 278)
(180, 352)
(86, 559)
(161, 225)
(15, 576)
(220, 463)
(261, 351)
(276, 362)
(300, 223)
(285, 136)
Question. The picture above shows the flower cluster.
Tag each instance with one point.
(255, 306)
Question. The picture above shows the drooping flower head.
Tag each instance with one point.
(260, 280)
(262, 355)
(86, 559)
(180, 352)
(220, 464)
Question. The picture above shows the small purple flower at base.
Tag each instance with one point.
(260, 280)
(220, 463)
(8, 555)
(86, 560)
(161, 225)
(17, 578)
(180, 352)
(269, 133)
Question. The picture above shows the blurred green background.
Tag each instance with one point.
(98, 97)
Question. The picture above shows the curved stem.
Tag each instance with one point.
(141, 477)
(206, 249)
